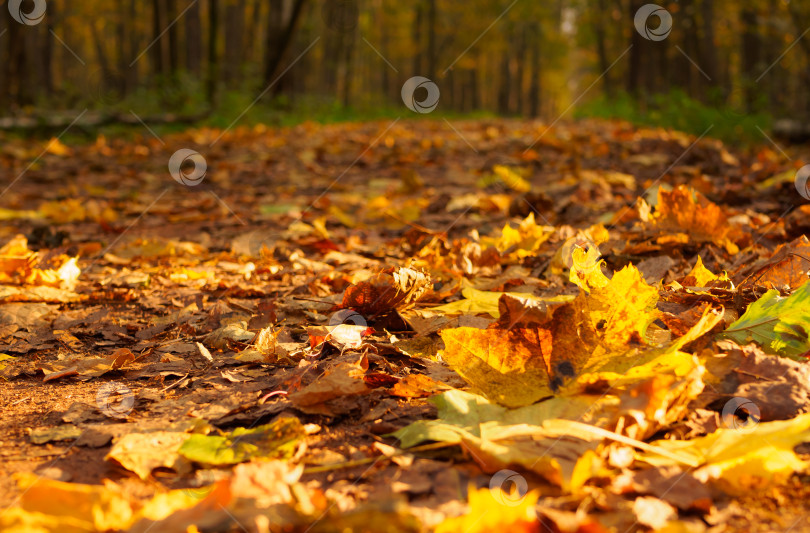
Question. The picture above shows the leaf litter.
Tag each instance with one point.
(448, 339)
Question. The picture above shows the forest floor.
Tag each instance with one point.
(554, 300)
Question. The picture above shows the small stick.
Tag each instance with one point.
(358, 462)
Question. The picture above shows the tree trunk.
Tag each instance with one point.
(601, 48)
(535, 73)
(194, 40)
(173, 43)
(416, 33)
(503, 88)
(520, 70)
(234, 31)
(47, 52)
(750, 55)
(131, 77)
(347, 69)
(708, 60)
(160, 66)
(279, 42)
(213, 58)
(15, 66)
(431, 53)
(252, 23)
(636, 42)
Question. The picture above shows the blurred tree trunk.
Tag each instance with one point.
(213, 58)
(3, 64)
(348, 65)
(385, 78)
(520, 73)
(159, 67)
(15, 65)
(657, 69)
(800, 22)
(431, 54)
(331, 66)
(121, 40)
(690, 81)
(106, 76)
(279, 36)
(750, 55)
(193, 39)
(31, 82)
(601, 48)
(475, 94)
(636, 42)
(504, 87)
(234, 31)
(253, 21)
(173, 43)
(708, 61)
(535, 72)
(416, 34)
(131, 78)
(47, 52)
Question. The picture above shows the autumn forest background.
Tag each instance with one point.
(725, 62)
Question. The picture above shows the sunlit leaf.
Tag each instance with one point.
(744, 458)
(277, 439)
(780, 325)
(491, 510)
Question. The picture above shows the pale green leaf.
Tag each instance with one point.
(779, 325)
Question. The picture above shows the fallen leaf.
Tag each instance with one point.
(392, 289)
(742, 459)
(490, 512)
(143, 452)
(64, 432)
(780, 325)
(278, 439)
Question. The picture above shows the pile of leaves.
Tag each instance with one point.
(403, 327)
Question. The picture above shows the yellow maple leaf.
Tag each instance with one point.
(512, 178)
(480, 302)
(18, 265)
(623, 307)
(494, 510)
(94, 507)
(522, 241)
(587, 240)
(522, 364)
(685, 210)
(56, 147)
(741, 459)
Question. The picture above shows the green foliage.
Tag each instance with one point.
(678, 111)
(779, 325)
(277, 439)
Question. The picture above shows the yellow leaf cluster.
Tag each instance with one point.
(18, 265)
(493, 510)
(523, 241)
